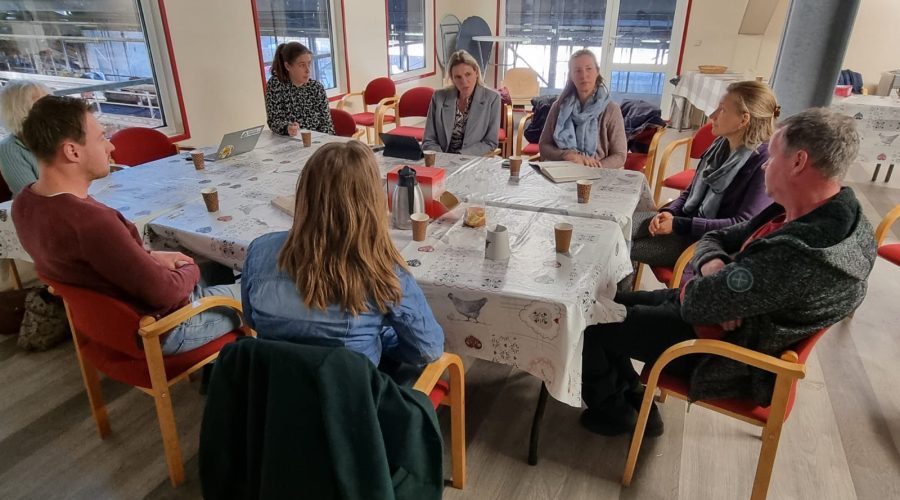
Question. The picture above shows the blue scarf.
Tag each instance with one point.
(577, 127)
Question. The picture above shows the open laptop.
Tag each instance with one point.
(235, 143)
(401, 146)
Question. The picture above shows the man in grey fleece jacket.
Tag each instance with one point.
(765, 284)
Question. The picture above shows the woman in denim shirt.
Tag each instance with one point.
(336, 278)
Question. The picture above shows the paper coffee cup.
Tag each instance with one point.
(211, 198)
(515, 165)
(563, 233)
(430, 157)
(419, 225)
(307, 138)
(197, 158)
(584, 191)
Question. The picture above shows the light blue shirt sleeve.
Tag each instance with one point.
(420, 339)
(17, 165)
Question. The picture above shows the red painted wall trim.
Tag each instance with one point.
(387, 41)
(687, 18)
(346, 51)
(497, 52)
(184, 121)
(262, 63)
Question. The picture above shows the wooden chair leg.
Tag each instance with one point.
(458, 425)
(638, 437)
(91, 384)
(368, 135)
(663, 395)
(637, 277)
(771, 437)
(164, 413)
(14, 271)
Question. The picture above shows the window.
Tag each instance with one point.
(406, 35)
(306, 21)
(106, 52)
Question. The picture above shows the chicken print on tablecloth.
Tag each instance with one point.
(469, 309)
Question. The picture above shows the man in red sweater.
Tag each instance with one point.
(79, 241)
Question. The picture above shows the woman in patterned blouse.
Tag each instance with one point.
(463, 118)
(293, 100)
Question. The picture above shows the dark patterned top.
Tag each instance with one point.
(306, 104)
(459, 127)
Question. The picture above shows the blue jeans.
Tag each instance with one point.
(207, 326)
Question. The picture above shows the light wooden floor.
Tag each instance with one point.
(841, 442)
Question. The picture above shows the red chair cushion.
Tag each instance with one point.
(681, 180)
(635, 161)
(132, 371)
(502, 135)
(416, 132)
(531, 149)
(378, 89)
(344, 125)
(663, 274)
(368, 119)
(702, 140)
(890, 252)
(440, 391)
(138, 145)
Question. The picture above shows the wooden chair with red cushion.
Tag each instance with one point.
(452, 394)
(504, 137)
(669, 276)
(645, 162)
(523, 148)
(376, 93)
(110, 337)
(344, 125)
(694, 148)
(413, 103)
(890, 252)
(139, 145)
(788, 369)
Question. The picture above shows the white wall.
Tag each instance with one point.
(875, 39)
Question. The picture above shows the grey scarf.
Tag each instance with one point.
(718, 167)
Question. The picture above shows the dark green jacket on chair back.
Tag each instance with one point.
(286, 420)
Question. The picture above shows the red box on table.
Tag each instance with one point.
(431, 182)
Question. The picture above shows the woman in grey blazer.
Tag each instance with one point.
(465, 117)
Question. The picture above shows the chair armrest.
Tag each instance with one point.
(651, 153)
(664, 163)
(343, 100)
(432, 373)
(520, 132)
(384, 105)
(152, 327)
(681, 263)
(786, 366)
(885, 225)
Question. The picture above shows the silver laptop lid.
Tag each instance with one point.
(235, 143)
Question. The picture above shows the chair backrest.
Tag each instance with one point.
(378, 89)
(522, 83)
(343, 123)
(102, 321)
(702, 140)
(415, 102)
(139, 145)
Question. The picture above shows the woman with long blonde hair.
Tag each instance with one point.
(336, 277)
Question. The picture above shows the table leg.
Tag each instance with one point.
(875, 175)
(890, 171)
(536, 425)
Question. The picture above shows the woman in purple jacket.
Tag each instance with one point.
(729, 186)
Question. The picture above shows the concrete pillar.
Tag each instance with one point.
(813, 45)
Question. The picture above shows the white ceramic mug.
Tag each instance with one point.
(496, 244)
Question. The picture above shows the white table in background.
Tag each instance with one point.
(700, 90)
(878, 124)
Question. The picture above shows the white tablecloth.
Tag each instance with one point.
(878, 124)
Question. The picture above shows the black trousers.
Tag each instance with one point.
(653, 324)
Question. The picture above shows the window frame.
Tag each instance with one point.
(339, 51)
(428, 37)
